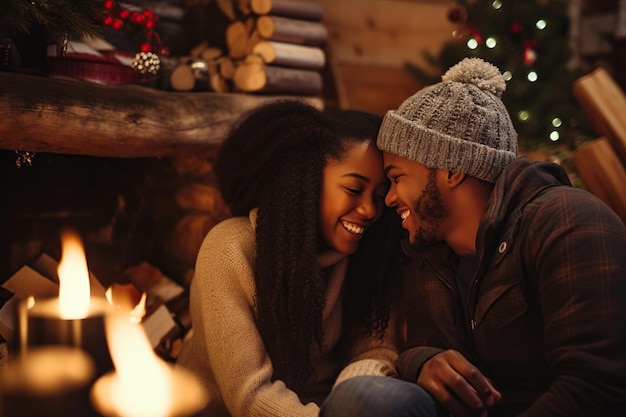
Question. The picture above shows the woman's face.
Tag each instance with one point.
(352, 196)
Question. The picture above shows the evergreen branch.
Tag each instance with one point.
(76, 18)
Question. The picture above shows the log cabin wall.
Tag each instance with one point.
(371, 40)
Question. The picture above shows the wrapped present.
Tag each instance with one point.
(603, 174)
(605, 105)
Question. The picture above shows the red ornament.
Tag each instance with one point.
(149, 14)
(117, 24)
(474, 33)
(529, 55)
(457, 13)
(121, 18)
(516, 27)
(454, 16)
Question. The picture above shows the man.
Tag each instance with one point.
(519, 297)
(515, 300)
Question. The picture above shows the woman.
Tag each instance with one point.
(292, 295)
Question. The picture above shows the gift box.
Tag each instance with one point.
(604, 104)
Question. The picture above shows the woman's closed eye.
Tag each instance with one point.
(353, 190)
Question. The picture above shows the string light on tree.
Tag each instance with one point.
(523, 115)
(554, 136)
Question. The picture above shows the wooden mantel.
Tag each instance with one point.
(41, 114)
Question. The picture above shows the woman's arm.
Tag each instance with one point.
(222, 295)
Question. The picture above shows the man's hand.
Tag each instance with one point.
(458, 385)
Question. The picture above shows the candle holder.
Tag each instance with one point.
(142, 384)
(187, 395)
(40, 324)
(52, 381)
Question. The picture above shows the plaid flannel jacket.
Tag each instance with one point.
(545, 318)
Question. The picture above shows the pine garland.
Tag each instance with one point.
(74, 17)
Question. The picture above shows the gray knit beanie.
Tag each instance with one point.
(459, 124)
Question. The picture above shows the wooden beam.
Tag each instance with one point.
(48, 115)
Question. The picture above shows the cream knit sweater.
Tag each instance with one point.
(226, 351)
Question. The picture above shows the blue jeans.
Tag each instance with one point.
(378, 396)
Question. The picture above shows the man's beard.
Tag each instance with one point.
(430, 210)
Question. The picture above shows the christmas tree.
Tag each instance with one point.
(529, 42)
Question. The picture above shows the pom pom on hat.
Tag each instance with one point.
(475, 71)
(459, 124)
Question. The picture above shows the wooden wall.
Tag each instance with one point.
(371, 40)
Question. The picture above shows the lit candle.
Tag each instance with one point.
(74, 318)
(143, 385)
(52, 381)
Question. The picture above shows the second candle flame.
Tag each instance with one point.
(74, 285)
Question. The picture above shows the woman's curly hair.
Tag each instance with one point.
(273, 160)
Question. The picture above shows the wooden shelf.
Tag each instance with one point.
(41, 114)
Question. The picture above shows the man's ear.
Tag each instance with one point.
(454, 179)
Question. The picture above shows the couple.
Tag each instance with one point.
(505, 300)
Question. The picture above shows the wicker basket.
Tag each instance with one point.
(102, 70)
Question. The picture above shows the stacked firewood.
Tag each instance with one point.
(200, 204)
(273, 46)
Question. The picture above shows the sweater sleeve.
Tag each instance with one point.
(371, 355)
(222, 299)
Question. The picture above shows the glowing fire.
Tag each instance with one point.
(74, 290)
(142, 383)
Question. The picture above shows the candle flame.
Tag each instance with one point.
(74, 286)
(137, 313)
(142, 385)
(127, 298)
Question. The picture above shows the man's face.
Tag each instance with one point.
(417, 198)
